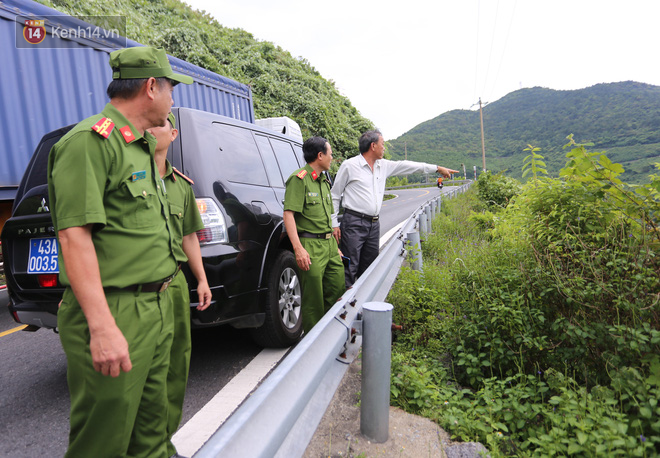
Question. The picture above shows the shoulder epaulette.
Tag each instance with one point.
(127, 133)
(301, 174)
(104, 127)
(183, 176)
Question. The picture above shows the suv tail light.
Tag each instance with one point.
(47, 280)
(215, 228)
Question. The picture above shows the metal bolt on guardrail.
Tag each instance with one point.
(376, 366)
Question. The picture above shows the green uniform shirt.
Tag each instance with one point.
(184, 213)
(102, 172)
(310, 199)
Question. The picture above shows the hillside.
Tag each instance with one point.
(282, 85)
(622, 119)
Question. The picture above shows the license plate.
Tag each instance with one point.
(43, 256)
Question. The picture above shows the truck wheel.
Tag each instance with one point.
(283, 324)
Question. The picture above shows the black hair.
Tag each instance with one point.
(129, 88)
(312, 147)
(367, 138)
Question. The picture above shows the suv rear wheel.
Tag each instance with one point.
(283, 324)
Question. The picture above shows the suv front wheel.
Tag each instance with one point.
(283, 324)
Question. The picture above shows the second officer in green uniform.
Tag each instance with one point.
(185, 220)
(308, 222)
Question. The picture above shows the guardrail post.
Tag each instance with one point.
(376, 366)
(432, 215)
(423, 225)
(429, 218)
(415, 250)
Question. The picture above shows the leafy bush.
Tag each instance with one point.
(536, 328)
(497, 190)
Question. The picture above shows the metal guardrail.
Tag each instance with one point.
(281, 416)
(457, 182)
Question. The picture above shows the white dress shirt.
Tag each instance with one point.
(363, 189)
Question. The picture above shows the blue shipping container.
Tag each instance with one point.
(63, 80)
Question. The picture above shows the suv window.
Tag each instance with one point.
(286, 157)
(299, 154)
(271, 163)
(37, 169)
(238, 156)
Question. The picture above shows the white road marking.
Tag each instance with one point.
(191, 436)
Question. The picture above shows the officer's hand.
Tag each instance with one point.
(336, 233)
(204, 295)
(110, 351)
(340, 253)
(445, 172)
(302, 259)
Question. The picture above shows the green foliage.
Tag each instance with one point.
(535, 329)
(396, 181)
(533, 163)
(282, 85)
(497, 190)
(619, 117)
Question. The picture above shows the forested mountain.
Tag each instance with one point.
(281, 84)
(621, 119)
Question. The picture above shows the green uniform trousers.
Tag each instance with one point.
(126, 415)
(323, 283)
(177, 376)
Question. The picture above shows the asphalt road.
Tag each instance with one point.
(34, 401)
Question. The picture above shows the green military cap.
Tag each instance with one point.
(170, 118)
(143, 62)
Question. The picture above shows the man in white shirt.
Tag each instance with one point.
(361, 180)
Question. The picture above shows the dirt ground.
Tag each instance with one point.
(338, 434)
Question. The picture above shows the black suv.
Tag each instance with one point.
(239, 170)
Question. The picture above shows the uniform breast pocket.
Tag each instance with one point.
(176, 218)
(141, 205)
(314, 205)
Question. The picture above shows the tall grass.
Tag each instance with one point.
(530, 347)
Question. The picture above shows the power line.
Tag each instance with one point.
(492, 42)
(476, 61)
(506, 41)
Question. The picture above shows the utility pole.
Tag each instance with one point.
(483, 144)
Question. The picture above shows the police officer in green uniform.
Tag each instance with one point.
(185, 220)
(117, 257)
(308, 222)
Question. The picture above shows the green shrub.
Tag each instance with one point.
(535, 328)
(497, 190)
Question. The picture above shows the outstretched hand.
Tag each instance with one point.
(445, 172)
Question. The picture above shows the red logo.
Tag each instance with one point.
(34, 31)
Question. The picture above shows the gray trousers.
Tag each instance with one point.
(360, 240)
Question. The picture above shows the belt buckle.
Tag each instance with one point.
(328, 235)
(374, 218)
(165, 284)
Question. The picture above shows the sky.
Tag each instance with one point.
(407, 61)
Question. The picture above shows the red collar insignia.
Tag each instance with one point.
(314, 175)
(127, 133)
(181, 175)
(104, 127)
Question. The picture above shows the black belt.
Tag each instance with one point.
(153, 287)
(373, 219)
(309, 235)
